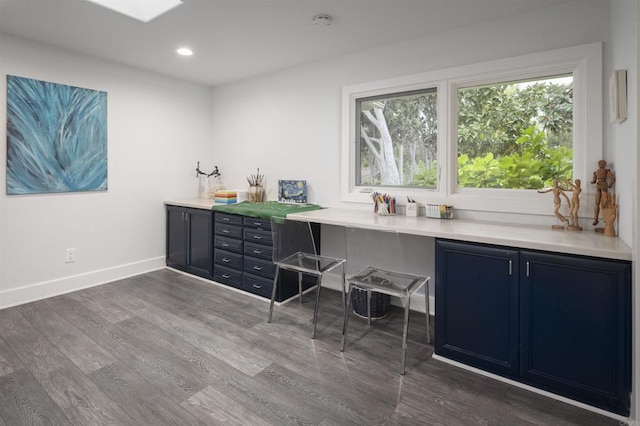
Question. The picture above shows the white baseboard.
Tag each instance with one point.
(535, 390)
(45, 289)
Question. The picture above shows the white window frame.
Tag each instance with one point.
(583, 62)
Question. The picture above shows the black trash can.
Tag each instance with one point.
(380, 303)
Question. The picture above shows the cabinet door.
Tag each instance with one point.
(477, 305)
(575, 327)
(176, 238)
(200, 242)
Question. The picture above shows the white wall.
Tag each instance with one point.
(157, 129)
(621, 139)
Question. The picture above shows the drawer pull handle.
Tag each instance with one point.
(226, 276)
(225, 231)
(257, 223)
(226, 219)
(225, 245)
(257, 237)
(257, 286)
(257, 251)
(226, 260)
(257, 268)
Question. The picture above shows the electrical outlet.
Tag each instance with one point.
(70, 255)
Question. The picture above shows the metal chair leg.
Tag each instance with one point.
(315, 308)
(346, 317)
(273, 293)
(344, 300)
(426, 295)
(300, 286)
(404, 334)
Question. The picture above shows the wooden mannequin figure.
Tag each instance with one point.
(574, 205)
(558, 192)
(604, 179)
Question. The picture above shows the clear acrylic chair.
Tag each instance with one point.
(375, 263)
(295, 249)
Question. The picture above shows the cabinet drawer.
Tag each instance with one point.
(257, 285)
(231, 219)
(257, 222)
(258, 236)
(228, 244)
(258, 250)
(232, 260)
(229, 230)
(264, 268)
(227, 276)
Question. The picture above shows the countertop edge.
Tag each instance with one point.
(584, 243)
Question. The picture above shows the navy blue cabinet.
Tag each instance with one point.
(190, 240)
(557, 322)
(243, 257)
(477, 306)
(575, 327)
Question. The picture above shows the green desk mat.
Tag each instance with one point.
(265, 210)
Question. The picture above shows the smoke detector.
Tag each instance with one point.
(322, 20)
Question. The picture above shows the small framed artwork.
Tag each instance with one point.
(618, 96)
(292, 191)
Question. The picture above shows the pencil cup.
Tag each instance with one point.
(412, 209)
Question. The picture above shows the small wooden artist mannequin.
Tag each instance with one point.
(574, 205)
(604, 179)
(557, 191)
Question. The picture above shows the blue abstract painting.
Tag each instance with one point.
(56, 137)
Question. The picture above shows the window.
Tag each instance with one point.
(515, 135)
(397, 139)
(483, 137)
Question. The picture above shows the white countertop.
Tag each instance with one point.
(195, 203)
(587, 243)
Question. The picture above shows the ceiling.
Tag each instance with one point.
(237, 39)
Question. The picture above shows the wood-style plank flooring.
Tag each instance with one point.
(167, 349)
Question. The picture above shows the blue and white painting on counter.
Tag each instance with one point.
(56, 137)
(292, 191)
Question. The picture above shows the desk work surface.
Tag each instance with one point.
(586, 243)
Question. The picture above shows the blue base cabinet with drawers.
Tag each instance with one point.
(558, 322)
(243, 249)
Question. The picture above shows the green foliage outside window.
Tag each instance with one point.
(515, 135)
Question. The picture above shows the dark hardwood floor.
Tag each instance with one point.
(166, 349)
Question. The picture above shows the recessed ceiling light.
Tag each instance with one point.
(142, 10)
(185, 51)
